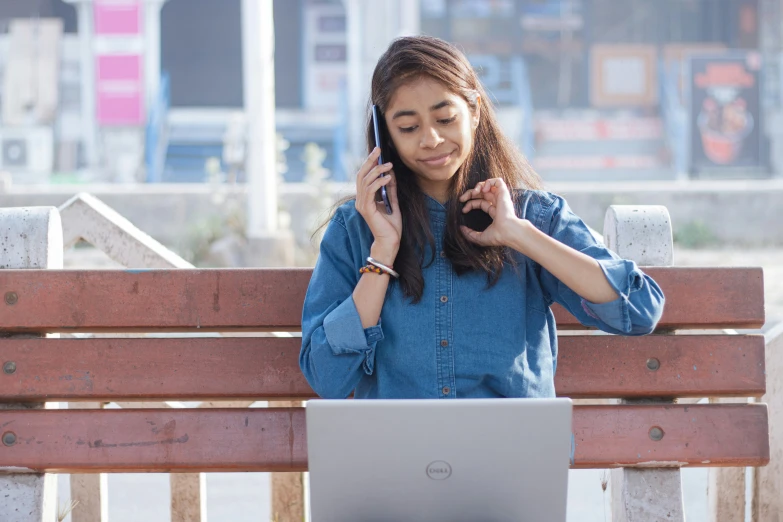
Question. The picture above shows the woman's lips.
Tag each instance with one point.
(437, 161)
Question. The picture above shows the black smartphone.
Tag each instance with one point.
(377, 125)
(477, 219)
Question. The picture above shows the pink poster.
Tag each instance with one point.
(120, 89)
(117, 17)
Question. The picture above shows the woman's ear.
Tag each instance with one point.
(477, 113)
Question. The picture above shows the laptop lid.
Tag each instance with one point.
(488, 460)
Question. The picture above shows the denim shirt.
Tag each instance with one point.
(463, 339)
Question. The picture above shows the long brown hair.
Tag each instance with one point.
(492, 156)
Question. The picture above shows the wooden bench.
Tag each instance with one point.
(648, 430)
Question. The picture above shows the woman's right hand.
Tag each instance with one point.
(385, 228)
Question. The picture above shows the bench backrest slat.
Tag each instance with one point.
(274, 439)
(106, 369)
(271, 299)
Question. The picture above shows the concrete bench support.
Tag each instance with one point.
(643, 234)
(768, 500)
(29, 238)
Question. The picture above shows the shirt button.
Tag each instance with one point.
(444, 298)
(444, 343)
(442, 253)
(446, 390)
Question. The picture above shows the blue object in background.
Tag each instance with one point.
(156, 140)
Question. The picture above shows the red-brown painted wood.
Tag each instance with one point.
(181, 440)
(111, 369)
(153, 300)
(696, 435)
(687, 366)
(271, 299)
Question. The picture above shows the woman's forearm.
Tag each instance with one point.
(368, 296)
(580, 272)
(370, 291)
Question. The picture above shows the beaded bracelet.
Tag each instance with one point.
(370, 268)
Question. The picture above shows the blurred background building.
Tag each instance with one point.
(150, 90)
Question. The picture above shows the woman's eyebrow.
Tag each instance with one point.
(400, 114)
(440, 105)
(444, 103)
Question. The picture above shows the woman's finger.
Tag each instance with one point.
(470, 194)
(377, 184)
(488, 185)
(466, 196)
(475, 192)
(391, 190)
(492, 197)
(367, 166)
(365, 198)
(495, 185)
(472, 235)
(368, 189)
(481, 204)
(375, 173)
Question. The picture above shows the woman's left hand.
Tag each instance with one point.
(493, 197)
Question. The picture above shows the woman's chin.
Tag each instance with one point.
(435, 174)
(440, 177)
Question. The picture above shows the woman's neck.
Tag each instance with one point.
(437, 191)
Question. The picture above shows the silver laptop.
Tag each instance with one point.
(471, 460)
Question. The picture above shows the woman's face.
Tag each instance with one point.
(432, 129)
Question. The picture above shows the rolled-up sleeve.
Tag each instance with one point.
(345, 335)
(640, 301)
(336, 349)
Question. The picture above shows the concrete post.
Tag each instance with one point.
(643, 234)
(288, 491)
(89, 491)
(30, 238)
(88, 496)
(152, 50)
(188, 497)
(410, 17)
(371, 27)
(267, 245)
(768, 500)
(356, 82)
(87, 81)
(726, 489)
(258, 45)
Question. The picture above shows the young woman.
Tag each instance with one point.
(441, 310)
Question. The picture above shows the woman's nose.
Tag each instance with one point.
(430, 138)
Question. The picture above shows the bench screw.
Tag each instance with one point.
(11, 298)
(9, 438)
(653, 364)
(656, 433)
(9, 367)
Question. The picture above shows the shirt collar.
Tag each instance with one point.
(435, 208)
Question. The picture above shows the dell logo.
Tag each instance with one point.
(439, 470)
